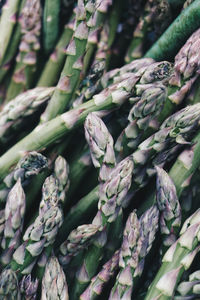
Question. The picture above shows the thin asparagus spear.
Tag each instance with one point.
(50, 24)
(51, 71)
(167, 200)
(22, 78)
(46, 134)
(9, 287)
(14, 114)
(2, 2)
(54, 285)
(28, 287)
(178, 258)
(137, 241)
(99, 281)
(7, 24)
(30, 164)
(71, 72)
(14, 219)
(176, 34)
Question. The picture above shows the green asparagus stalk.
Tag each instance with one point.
(26, 60)
(137, 241)
(189, 289)
(154, 11)
(99, 281)
(30, 164)
(53, 67)
(176, 34)
(9, 287)
(54, 285)
(14, 114)
(7, 24)
(14, 217)
(178, 258)
(71, 72)
(28, 288)
(46, 134)
(168, 204)
(50, 24)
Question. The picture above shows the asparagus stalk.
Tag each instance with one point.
(178, 258)
(29, 165)
(51, 71)
(14, 114)
(189, 289)
(154, 11)
(50, 24)
(2, 2)
(54, 285)
(99, 281)
(28, 288)
(176, 34)
(9, 287)
(71, 72)
(25, 68)
(46, 134)
(14, 217)
(7, 24)
(170, 219)
(137, 242)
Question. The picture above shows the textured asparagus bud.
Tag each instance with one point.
(137, 242)
(101, 145)
(168, 204)
(178, 258)
(98, 282)
(7, 23)
(28, 288)
(37, 237)
(14, 115)
(61, 171)
(54, 285)
(2, 223)
(189, 289)
(77, 240)
(50, 194)
(30, 165)
(70, 76)
(14, 217)
(23, 75)
(155, 12)
(9, 288)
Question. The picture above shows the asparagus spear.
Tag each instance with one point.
(2, 223)
(71, 72)
(28, 287)
(2, 2)
(176, 34)
(25, 68)
(189, 289)
(14, 114)
(7, 24)
(54, 285)
(50, 24)
(137, 242)
(14, 217)
(31, 164)
(170, 219)
(178, 258)
(51, 71)
(9, 287)
(99, 281)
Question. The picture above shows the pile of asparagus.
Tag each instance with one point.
(100, 149)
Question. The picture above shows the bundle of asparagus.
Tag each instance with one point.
(98, 101)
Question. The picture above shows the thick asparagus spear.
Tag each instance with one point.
(28, 287)
(22, 78)
(54, 285)
(9, 287)
(14, 219)
(14, 114)
(178, 258)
